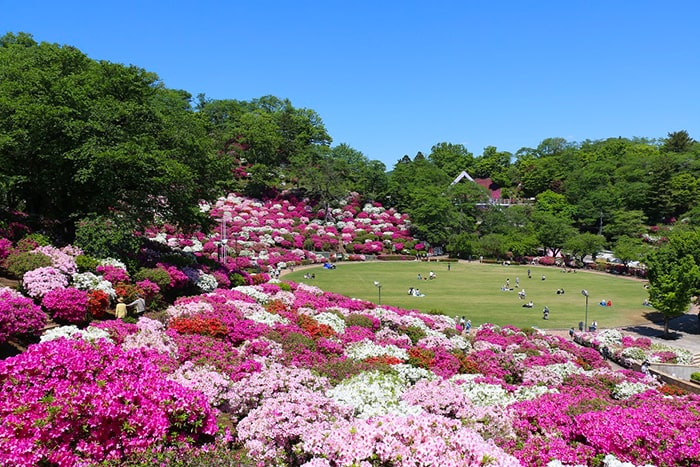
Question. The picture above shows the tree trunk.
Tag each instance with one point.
(666, 320)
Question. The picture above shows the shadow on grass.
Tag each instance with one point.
(677, 327)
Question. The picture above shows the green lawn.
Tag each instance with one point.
(473, 290)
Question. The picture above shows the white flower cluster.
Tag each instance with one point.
(267, 318)
(528, 393)
(253, 292)
(626, 389)
(89, 281)
(90, 333)
(113, 262)
(331, 319)
(412, 374)
(609, 337)
(194, 248)
(207, 283)
(683, 356)
(373, 394)
(483, 394)
(367, 349)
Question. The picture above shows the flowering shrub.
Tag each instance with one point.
(98, 301)
(199, 325)
(18, 315)
(94, 402)
(69, 304)
(113, 274)
(39, 282)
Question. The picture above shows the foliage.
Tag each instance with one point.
(20, 262)
(158, 276)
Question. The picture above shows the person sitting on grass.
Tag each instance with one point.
(528, 304)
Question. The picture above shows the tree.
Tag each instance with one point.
(451, 158)
(672, 281)
(628, 249)
(624, 223)
(80, 137)
(674, 273)
(678, 141)
(493, 245)
(584, 244)
(553, 232)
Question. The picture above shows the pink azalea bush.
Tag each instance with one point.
(38, 282)
(69, 304)
(94, 402)
(18, 315)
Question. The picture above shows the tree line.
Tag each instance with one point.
(90, 142)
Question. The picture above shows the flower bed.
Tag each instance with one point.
(309, 378)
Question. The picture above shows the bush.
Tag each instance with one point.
(19, 263)
(69, 305)
(103, 237)
(158, 276)
(695, 377)
(413, 332)
(396, 257)
(363, 321)
(86, 263)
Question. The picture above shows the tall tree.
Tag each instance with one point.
(79, 136)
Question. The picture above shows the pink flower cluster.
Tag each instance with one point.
(69, 304)
(18, 315)
(38, 282)
(285, 229)
(94, 402)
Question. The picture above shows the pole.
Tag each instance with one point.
(380, 294)
(585, 324)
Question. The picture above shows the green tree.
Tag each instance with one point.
(80, 136)
(678, 141)
(583, 244)
(493, 245)
(451, 158)
(553, 232)
(628, 249)
(672, 282)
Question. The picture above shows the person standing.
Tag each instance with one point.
(469, 326)
(120, 311)
(139, 304)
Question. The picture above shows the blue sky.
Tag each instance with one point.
(396, 77)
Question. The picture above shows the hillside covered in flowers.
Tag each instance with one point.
(233, 367)
(290, 375)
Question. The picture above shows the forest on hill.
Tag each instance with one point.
(84, 139)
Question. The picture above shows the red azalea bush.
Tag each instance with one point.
(199, 325)
(70, 304)
(98, 301)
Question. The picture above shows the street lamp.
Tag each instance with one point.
(584, 292)
(378, 285)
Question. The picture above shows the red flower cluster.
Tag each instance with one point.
(421, 357)
(97, 302)
(383, 360)
(313, 328)
(199, 325)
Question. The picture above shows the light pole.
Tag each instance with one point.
(378, 285)
(584, 292)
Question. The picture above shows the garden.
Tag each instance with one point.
(231, 366)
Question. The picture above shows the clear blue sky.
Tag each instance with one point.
(396, 77)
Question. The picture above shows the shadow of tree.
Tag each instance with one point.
(684, 324)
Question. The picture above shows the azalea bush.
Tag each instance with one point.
(19, 315)
(38, 282)
(95, 402)
(69, 304)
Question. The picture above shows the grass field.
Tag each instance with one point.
(474, 290)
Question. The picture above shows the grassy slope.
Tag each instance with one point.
(473, 290)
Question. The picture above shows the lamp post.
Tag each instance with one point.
(584, 292)
(378, 285)
(224, 239)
